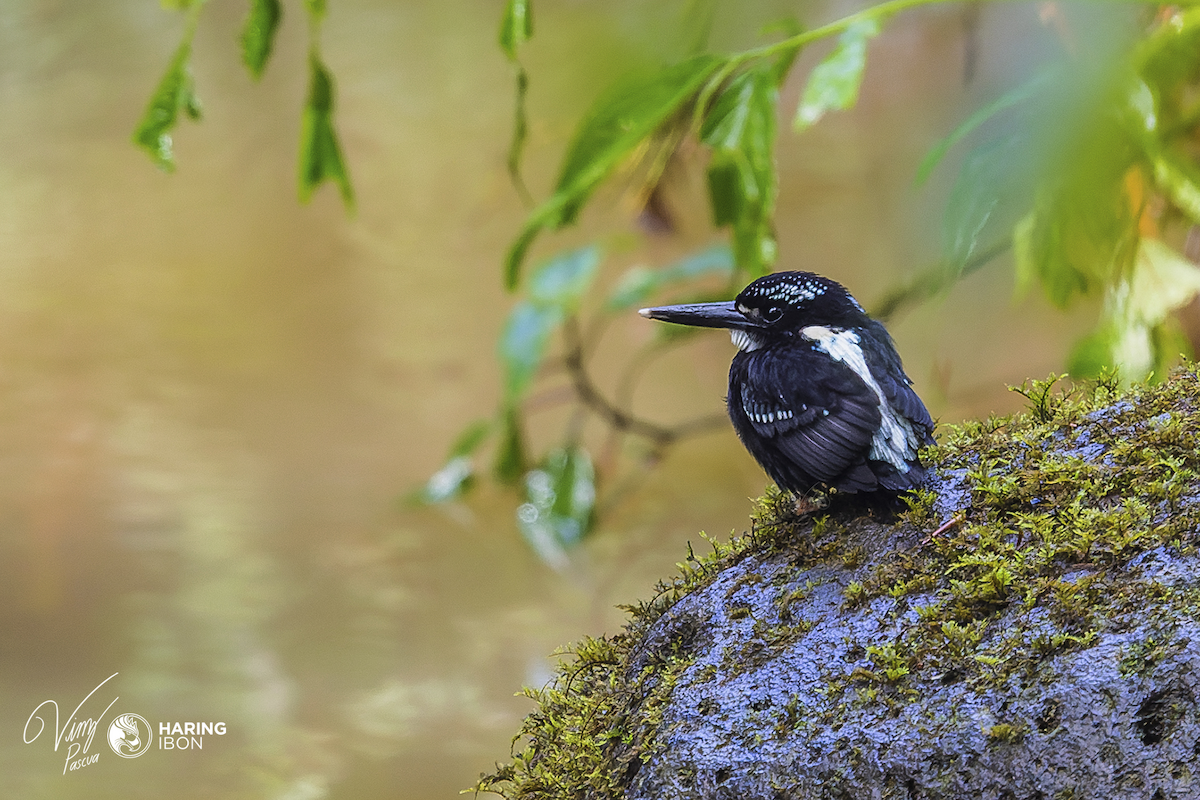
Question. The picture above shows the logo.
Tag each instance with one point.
(129, 735)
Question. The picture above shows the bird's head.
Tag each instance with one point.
(773, 308)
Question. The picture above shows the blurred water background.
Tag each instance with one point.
(213, 398)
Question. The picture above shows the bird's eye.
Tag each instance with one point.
(772, 314)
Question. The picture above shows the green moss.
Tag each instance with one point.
(1053, 502)
(1041, 511)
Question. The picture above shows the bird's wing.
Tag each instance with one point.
(898, 389)
(815, 411)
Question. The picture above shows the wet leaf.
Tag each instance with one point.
(562, 281)
(449, 482)
(834, 83)
(560, 498)
(456, 476)
(320, 154)
(175, 93)
(258, 34)
(618, 122)
(639, 283)
(740, 129)
(516, 26)
(523, 345)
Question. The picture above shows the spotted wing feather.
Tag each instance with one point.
(805, 418)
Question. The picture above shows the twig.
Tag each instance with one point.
(660, 435)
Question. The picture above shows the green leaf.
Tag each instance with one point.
(1134, 336)
(833, 84)
(1180, 179)
(315, 9)
(258, 34)
(516, 147)
(1092, 354)
(175, 93)
(516, 26)
(618, 122)
(1004, 101)
(510, 456)
(522, 345)
(1163, 280)
(320, 155)
(560, 499)
(562, 281)
(456, 475)
(1171, 53)
(740, 129)
(1025, 258)
(638, 284)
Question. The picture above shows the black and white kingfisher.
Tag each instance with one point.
(817, 392)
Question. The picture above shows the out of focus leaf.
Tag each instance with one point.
(639, 284)
(975, 196)
(834, 83)
(619, 121)
(458, 472)
(1133, 337)
(315, 9)
(1171, 54)
(516, 146)
(320, 155)
(1163, 280)
(740, 129)
(258, 34)
(1025, 258)
(1180, 179)
(448, 482)
(472, 437)
(175, 93)
(510, 455)
(560, 498)
(516, 26)
(523, 345)
(1093, 354)
(562, 281)
(1004, 101)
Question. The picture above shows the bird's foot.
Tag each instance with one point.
(811, 504)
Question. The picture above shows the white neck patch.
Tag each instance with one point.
(894, 442)
(744, 340)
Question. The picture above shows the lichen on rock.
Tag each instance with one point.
(1028, 628)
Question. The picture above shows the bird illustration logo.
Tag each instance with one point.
(817, 391)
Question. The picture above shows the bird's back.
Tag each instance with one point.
(830, 407)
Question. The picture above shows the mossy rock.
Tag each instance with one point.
(1028, 628)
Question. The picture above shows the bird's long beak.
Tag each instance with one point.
(701, 315)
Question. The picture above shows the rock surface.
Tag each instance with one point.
(1029, 629)
(783, 721)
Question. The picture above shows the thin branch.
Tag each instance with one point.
(928, 282)
(618, 418)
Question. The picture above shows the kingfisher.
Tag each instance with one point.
(817, 391)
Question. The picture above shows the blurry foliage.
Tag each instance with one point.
(320, 155)
(1086, 172)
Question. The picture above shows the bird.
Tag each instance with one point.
(817, 391)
